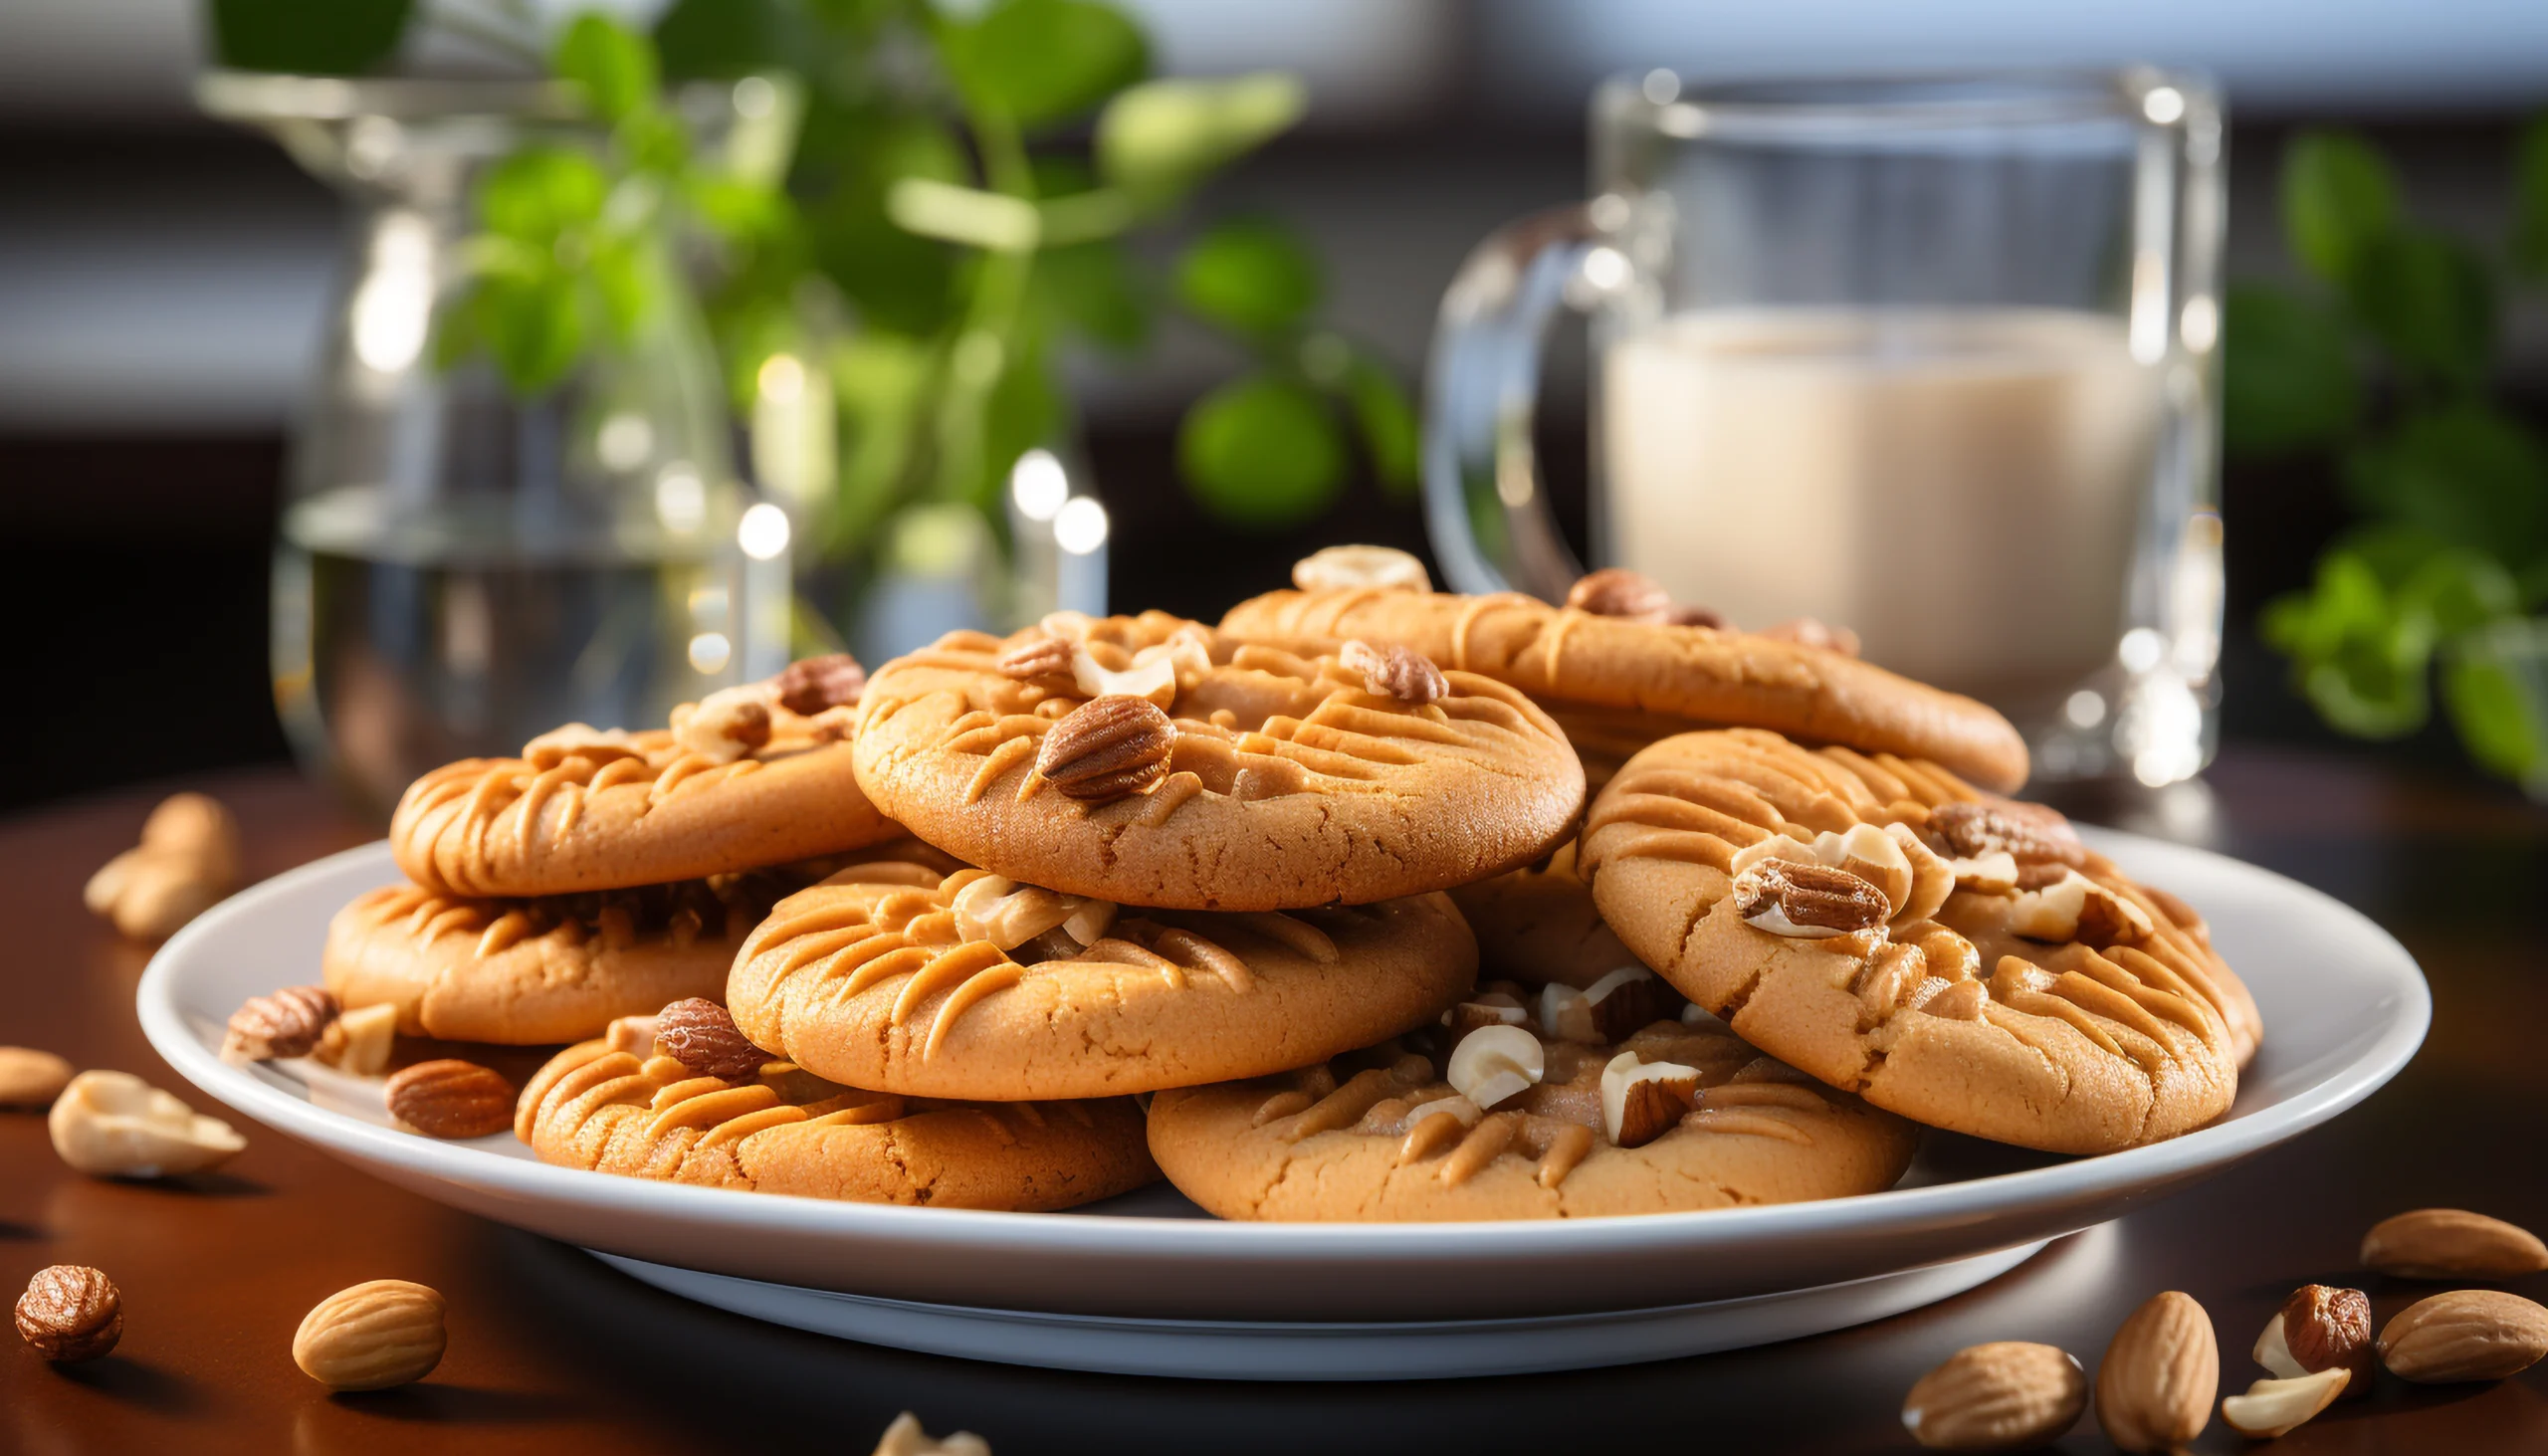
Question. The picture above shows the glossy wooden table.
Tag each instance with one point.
(551, 1351)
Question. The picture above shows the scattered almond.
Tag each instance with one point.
(29, 1078)
(2452, 1243)
(70, 1313)
(371, 1336)
(2320, 1327)
(2465, 1335)
(288, 1023)
(187, 860)
(702, 1036)
(2160, 1374)
(115, 1125)
(2270, 1408)
(2007, 1395)
(451, 1099)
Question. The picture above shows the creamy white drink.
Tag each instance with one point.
(1961, 487)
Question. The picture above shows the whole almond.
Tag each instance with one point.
(811, 685)
(1108, 748)
(1398, 673)
(702, 1036)
(70, 1313)
(29, 1078)
(371, 1336)
(2003, 1396)
(287, 1023)
(451, 1099)
(2465, 1335)
(2452, 1243)
(2154, 1388)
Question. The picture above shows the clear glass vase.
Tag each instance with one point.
(460, 568)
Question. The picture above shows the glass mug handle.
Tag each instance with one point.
(1485, 508)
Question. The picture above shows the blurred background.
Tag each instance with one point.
(1229, 364)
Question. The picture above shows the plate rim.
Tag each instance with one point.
(1153, 1237)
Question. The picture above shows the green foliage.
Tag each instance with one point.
(2453, 490)
(336, 37)
(1158, 139)
(1263, 452)
(613, 67)
(2337, 196)
(1041, 62)
(2293, 384)
(1249, 276)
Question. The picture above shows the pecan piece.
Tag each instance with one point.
(1615, 591)
(702, 1036)
(1043, 657)
(70, 1313)
(1792, 897)
(451, 1099)
(287, 1023)
(2031, 833)
(812, 683)
(1108, 748)
(1394, 672)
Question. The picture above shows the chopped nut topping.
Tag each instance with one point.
(812, 683)
(1342, 568)
(1811, 901)
(1807, 632)
(1642, 1101)
(702, 1036)
(1614, 591)
(2031, 833)
(1493, 1063)
(288, 1023)
(1108, 748)
(725, 725)
(1010, 914)
(1394, 672)
(1038, 657)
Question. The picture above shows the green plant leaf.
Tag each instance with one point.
(1262, 451)
(1387, 418)
(1093, 289)
(653, 141)
(2358, 657)
(2464, 475)
(2337, 198)
(1039, 61)
(539, 193)
(623, 283)
(1251, 275)
(2460, 590)
(1161, 137)
(699, 38)
(612, 65)
(2429, 300)
(2287, 375)
(2494, 683)
(534, 327)
(330, 37)
(2530, 199)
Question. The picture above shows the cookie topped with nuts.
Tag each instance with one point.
(544, 970)
(1876, 921)
(641, 1112)
(1620, 664)
(975, 986)
(1554, 1103)
(758, 774)
(1147, 761)
(1538, 925)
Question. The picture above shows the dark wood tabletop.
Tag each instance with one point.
(551, 1351)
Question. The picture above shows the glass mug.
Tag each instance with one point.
(1929, 358)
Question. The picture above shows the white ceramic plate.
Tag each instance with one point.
(2344, 1008)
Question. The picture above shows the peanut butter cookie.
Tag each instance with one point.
(559, 967)
(1145, 760)
(1507, 1114)
(1619, 666)
(748, 776)
(1538, 925)
(641, 1113)
(977, 986)
(1876, 921)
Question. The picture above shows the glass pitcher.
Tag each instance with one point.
(1930, 358)
(460, 568)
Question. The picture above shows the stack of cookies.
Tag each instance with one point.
(1371, 903)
